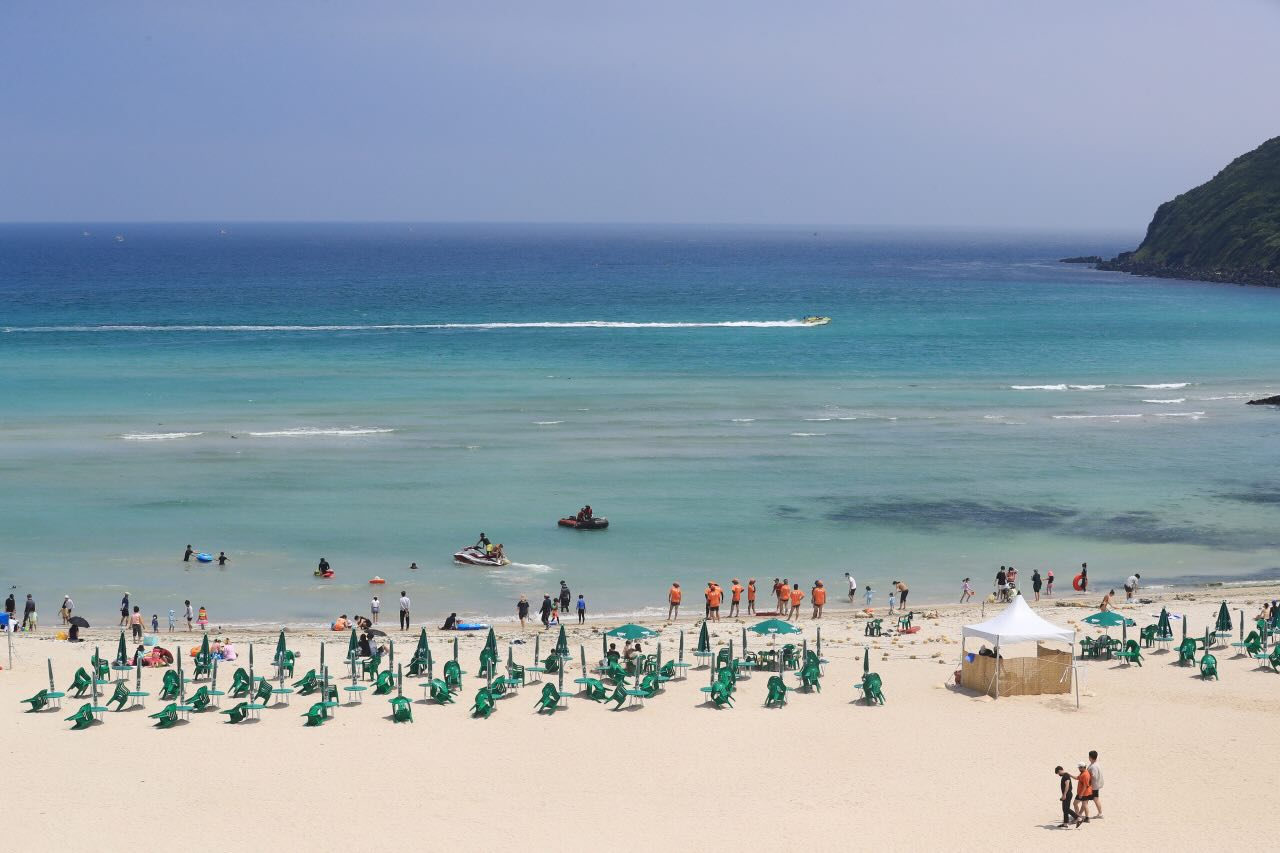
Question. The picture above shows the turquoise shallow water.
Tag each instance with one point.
(380, 394)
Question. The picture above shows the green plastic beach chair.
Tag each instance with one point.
(593, 689)
(1130, 653)
(871, 689)
(38, 701)
(385, 683)
(790, 657)
(614, 672)
(166, 718)
(777, 695)
(872, 628)
(371, 666)
(100, 667)
(401, 709)
(552, 664)
(549, 701)
(484, 704)
(453, 675)
(307, 685)
(440, 692)
(262, 696)
(240, 685)
(82, 718)
(498, 687)
(80, 683)
(286, 662)
(488, 660)
(1274, 659)
(203, 666)
(904, 622)
(811, 676)
(417, 666)
(315, 714)
(236, 713)
(1254, 649)
(120, 695)
(722, 694)
(515, 672)
(667, 672)
(1187, 652)
(1148, 635)
(619, 695)
(200, 700)
(1209, 667)
(170, 686)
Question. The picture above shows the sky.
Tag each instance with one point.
(983, 113)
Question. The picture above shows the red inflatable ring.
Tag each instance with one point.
(1078, 583)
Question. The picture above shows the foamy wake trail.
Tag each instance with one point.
(383, 327)
(158, 436)
(302, 432)
(1162, 386)
(532, 567)
(1174, 400)
(1059, 387)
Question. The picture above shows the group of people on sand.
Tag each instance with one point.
(551, 608)
(789, 598)
(1088, 791)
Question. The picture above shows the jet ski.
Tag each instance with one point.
(815, 320)
(593, 523)
(473, 556)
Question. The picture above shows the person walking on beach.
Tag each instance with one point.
(751, 597)
(10, 607)
(124, 610)
(1048, 583)
(1084, 577)
(673, 602)
(796, 597)
(902, 594)
(1130, 589)
(735, 599)
(1064, 796)
(582, 610)
(67, 607)
(190, 614)
(784, 597)
(1084, 793)
(819, 596)
(135, 623)
(522, 610)
(404, 610)
(186, 555)
(1095, 780)
(565, 597)
(29, 614)
(853, 586)
(1036, 583)
(375, 607)
(545, 611)
(966, 591)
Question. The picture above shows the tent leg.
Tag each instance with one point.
(997, 669)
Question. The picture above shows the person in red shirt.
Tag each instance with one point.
(673, 602)
(751, 597)
(1084, 793)
(736, 600)
(819, 596)
(796, 597)
(714, 596)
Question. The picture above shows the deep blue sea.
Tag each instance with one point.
(380, 394)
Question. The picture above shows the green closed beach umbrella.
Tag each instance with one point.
(122, 654)
(704, 640)
(421, 650)
(491, 641)
(280, 647)
(1163, 629)
(562, 644)
(1224, 620)
(631, 631)
(774, 626)
(204, 647)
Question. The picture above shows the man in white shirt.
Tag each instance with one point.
(1095, 777)
(404, 610)
(1131, 586)
(853, 585)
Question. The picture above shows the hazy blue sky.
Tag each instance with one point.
(1082, 114)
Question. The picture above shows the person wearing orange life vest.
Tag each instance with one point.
(736, 598)
(673, 602)
(819, 596)
(706, 595)
(796, 597)
(717, 594)
(751, 596)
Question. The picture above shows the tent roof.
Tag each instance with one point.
(1019, 624)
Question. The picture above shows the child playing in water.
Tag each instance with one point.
(869, 595)
(966, 591)
(203, 619)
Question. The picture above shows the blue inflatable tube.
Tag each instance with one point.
(205, 558)
(470, 626)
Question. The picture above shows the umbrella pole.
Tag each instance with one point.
(819, 649)
(681, 645)
(400, 680)
(583, 650)
(391, 653)
(52, 689)
(455, 648)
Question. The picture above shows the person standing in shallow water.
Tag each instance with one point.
(673, 602)
(404, 610)
(186, 556)
(582, 610)
(545, 611)
(522, 610)
(1035, 583)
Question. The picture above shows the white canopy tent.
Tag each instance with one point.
(1018, 623)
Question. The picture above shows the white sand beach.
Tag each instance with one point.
(935, 767)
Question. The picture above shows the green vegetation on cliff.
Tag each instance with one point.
(1225, 230)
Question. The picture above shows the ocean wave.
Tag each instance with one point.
(1179, 414)
(807, 434)
(1162, 386)
(158, 436)
(301, 432)
(743, 420)
(1174, 401)
(818, 419)
(547, 423)
(1038, 387)
(399, 327)
(1226, 397)
(1091, 417)
(1086, 387)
